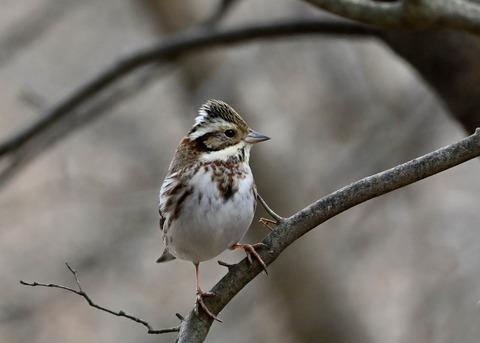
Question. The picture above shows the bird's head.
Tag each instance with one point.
(222, 133)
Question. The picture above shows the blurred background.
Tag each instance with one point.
(403, 267)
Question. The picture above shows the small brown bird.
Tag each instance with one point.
(208, 199)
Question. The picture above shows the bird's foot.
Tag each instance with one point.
(250, 250)
(199, 303)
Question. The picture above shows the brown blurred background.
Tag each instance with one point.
(400, 268)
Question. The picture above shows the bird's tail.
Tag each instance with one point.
(166, 256)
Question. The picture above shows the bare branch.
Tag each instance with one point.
(22, 146)
(408, 14)
(174, 45)
(195, 329)
(383, 14)
(91, 303)
(59, 129)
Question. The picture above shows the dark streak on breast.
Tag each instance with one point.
(228, 193)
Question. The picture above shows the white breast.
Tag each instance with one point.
(208, 223)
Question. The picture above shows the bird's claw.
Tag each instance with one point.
(250, 250)
(200, 303)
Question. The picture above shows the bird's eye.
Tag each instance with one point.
(229, 133)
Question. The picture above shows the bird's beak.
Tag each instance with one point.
(255, 137)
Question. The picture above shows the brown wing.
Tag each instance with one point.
(166, 256)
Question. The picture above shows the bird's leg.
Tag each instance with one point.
(200, 295)
(250, 250)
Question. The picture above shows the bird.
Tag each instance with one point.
(208, 198)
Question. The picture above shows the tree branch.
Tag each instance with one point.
(12, 148)
(175, 45)
(195, 328)
(59, 129)
(408, 14)
(383, 14)
(91, 303)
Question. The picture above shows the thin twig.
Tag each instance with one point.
(267, 208)
(82, 293)
(225, 264)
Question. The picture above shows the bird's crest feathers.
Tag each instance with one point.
(214, 111)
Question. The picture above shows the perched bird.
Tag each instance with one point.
(208, 198)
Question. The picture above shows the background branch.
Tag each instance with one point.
(59, 128)
(173, 45)
(408, 15)
(384, 14)
(223, 7)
